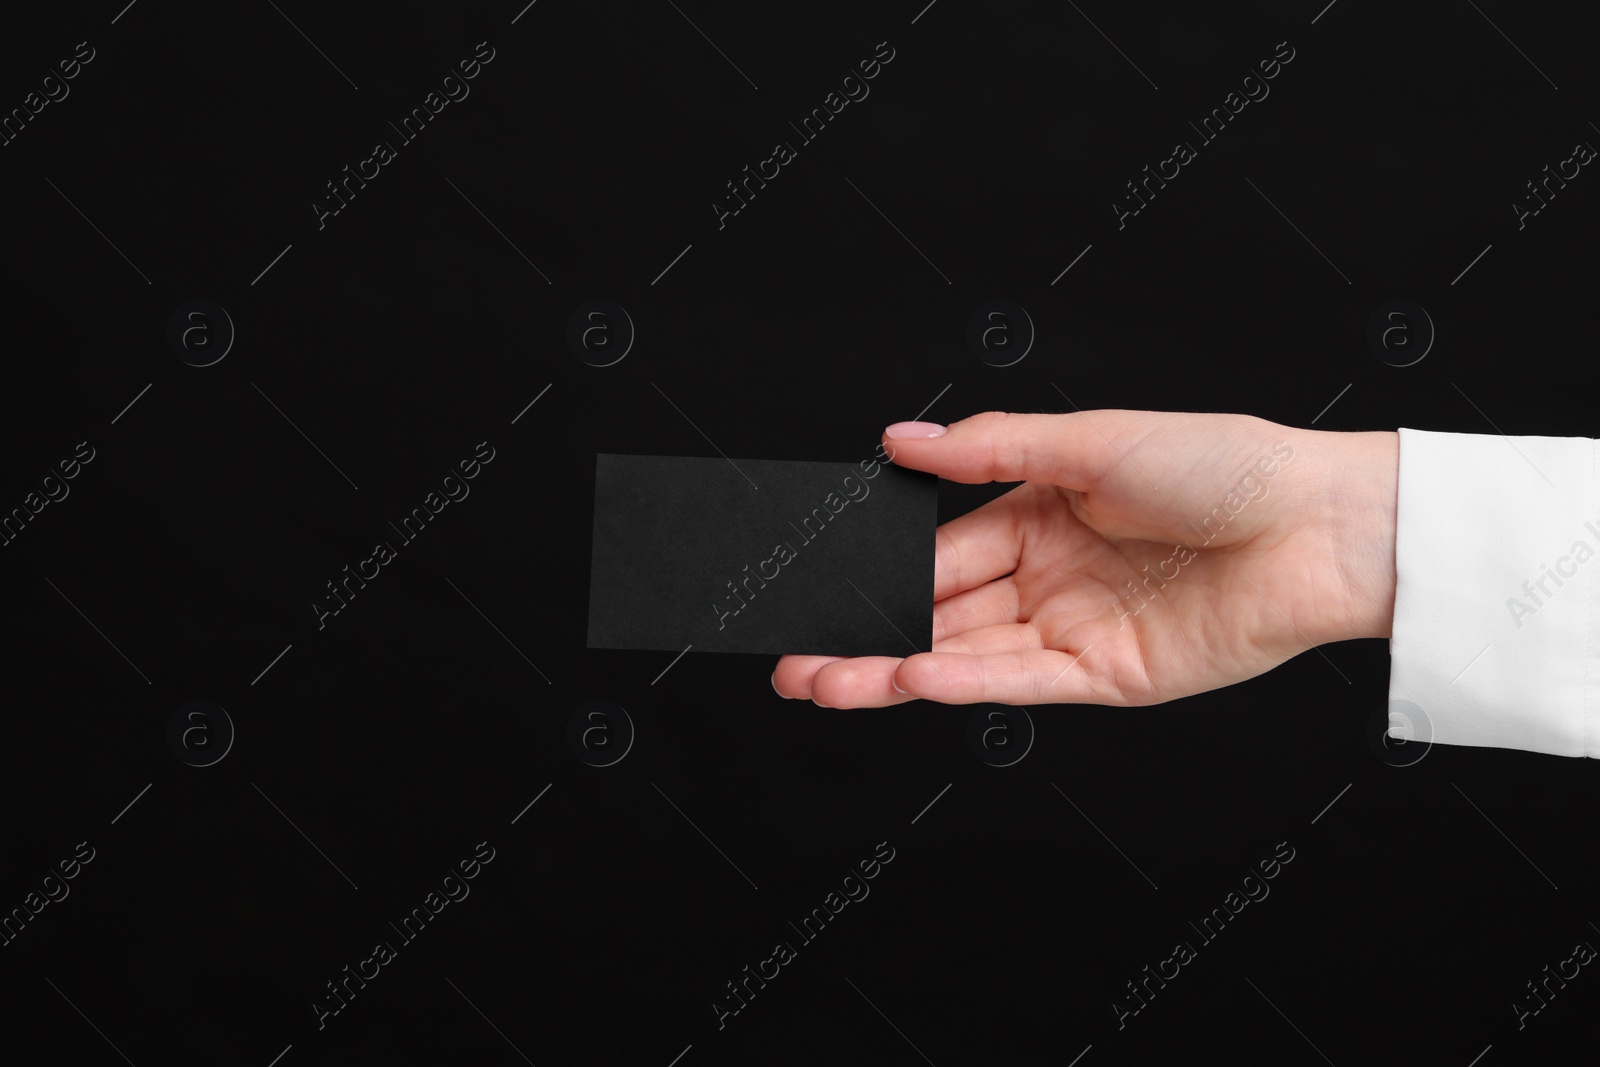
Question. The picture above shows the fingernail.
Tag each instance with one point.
(775, 683)
(820, 704)
(896, 685)
(905, 431)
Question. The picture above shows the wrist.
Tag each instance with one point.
(1361, 493)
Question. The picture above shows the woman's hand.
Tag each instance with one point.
(1146, 556)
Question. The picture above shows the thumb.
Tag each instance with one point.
(1072, 450)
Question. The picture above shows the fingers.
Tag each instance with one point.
(838, 681)
(832, 682)
(987, 605)
(1034, 676)
(792, 677)
(1009, 673)
(978, 547)
(1073, 450)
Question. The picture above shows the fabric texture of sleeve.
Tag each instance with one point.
(1497, 567)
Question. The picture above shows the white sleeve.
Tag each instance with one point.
(1497, 566)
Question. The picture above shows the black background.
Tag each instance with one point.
(427, 715)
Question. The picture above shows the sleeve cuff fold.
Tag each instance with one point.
(1497, 567)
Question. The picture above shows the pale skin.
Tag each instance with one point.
(1031, 604)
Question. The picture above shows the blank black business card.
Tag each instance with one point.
(758, 555)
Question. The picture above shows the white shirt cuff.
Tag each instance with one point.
(1497, 565)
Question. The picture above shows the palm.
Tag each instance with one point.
(1188, 624)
